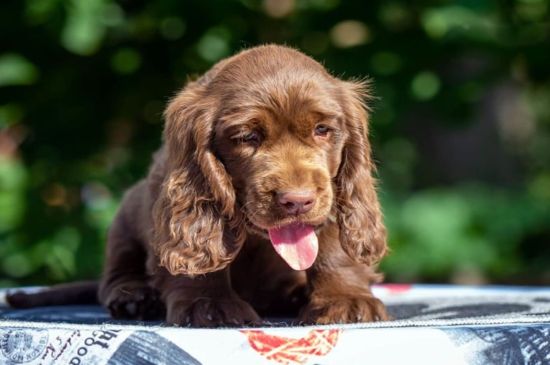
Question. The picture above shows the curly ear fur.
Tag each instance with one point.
(362, 231)
(197, 227)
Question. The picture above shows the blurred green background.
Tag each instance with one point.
(461, 125)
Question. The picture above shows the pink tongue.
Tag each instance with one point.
(296, 243)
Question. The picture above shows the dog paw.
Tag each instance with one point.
(212, 312)
(343, 309)
(142, 303)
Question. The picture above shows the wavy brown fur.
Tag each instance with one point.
(190, 241)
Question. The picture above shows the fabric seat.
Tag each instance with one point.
(432, 324)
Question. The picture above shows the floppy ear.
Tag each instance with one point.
(362, 231)
(197, 226)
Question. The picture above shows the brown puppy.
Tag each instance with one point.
(261, 201)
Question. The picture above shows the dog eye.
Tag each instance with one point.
(252, 137)
(321, 130)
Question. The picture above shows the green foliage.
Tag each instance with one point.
(16, 70)
(443, 232)
(460, 124)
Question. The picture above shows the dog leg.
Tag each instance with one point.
(124, 288)
(339, 287)
(203, 301)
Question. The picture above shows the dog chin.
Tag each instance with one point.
(261, 229)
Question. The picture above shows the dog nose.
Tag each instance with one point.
(296, 202)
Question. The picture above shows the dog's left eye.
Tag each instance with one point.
(321, 130)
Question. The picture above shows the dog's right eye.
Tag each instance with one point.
(252, 137)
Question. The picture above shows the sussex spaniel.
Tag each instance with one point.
(261, 201)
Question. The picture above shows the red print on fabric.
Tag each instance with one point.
(288, 350)
(397, 288)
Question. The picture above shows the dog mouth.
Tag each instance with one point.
(296, 243)
(294, 238)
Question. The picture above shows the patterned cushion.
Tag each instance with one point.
(432, 324)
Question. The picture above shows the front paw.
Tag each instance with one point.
(141, 302)
(343, 309)
(212, 312)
